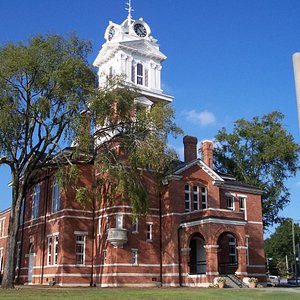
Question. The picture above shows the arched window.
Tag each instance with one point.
(55, 196)
(139, 74)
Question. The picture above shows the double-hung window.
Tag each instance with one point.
(49, 254)
(134, 256)
(149, 231)
(196, 197)
(139, 74)
(230, 202)
(2, 227)
(55, 196)
(203, 197)
(242, 203)
(232, 250)
(56, 249)
(119, 221)
(36, 201)
(104, 257)
(80, 249)
(187, 198)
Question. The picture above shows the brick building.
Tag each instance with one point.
(202, 225)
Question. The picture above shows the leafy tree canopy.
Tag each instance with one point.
(260, 152)
(279, 245)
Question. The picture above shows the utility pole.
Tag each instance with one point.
(294, 251)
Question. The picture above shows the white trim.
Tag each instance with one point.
(230, 194)
(80, 232)
(241, 247)
(241, 273)
(213, 220)
(242, 195)
(194, 275)
(212, 273)
(203, 166)
(255, 222)
(210, 246)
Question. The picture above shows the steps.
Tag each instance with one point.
(232, 281)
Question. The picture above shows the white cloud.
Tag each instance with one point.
(203, 118)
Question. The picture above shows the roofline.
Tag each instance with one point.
(250, 190)
(203, 166)
(5, 211)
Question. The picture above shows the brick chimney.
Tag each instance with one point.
(190, 148)
(207, 152)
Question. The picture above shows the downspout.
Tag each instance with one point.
(45, 224)
(179, 256)
(160, 240)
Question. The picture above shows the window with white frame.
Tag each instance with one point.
(18, 254)
(139, 74)
(203, 197)
(119, 221)
(242, 203)
(134, 256)
(135, 225)
(2, 227)
(232, 250)
(100, 226)
(133, 72)
(247, 250)
(230, 202)
(36, 201)
(187, 197)
(196, 197)
(104, 257)
(56, 249)
(149, 231)
(55, 196)
(49, 252)
(80, 249)
(1, 259)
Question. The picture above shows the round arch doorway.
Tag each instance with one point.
(197, 255)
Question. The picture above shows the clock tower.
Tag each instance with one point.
(131, 51)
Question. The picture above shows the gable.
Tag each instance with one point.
(200, 164)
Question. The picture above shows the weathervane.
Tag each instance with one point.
(129, 9)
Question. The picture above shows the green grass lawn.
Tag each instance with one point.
(28, 293)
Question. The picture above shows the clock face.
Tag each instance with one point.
(140, 30)
(111, 33)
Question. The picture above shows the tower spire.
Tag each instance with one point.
(129, 9)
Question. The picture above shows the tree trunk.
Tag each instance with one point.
(10, 256)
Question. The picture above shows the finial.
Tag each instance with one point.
(129, 9)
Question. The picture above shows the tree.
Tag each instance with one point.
(260, 152)
(43, 85)
(48, 97)
(279, 245)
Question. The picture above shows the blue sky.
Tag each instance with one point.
(226, 59)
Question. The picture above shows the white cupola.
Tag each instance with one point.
(130, 50)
